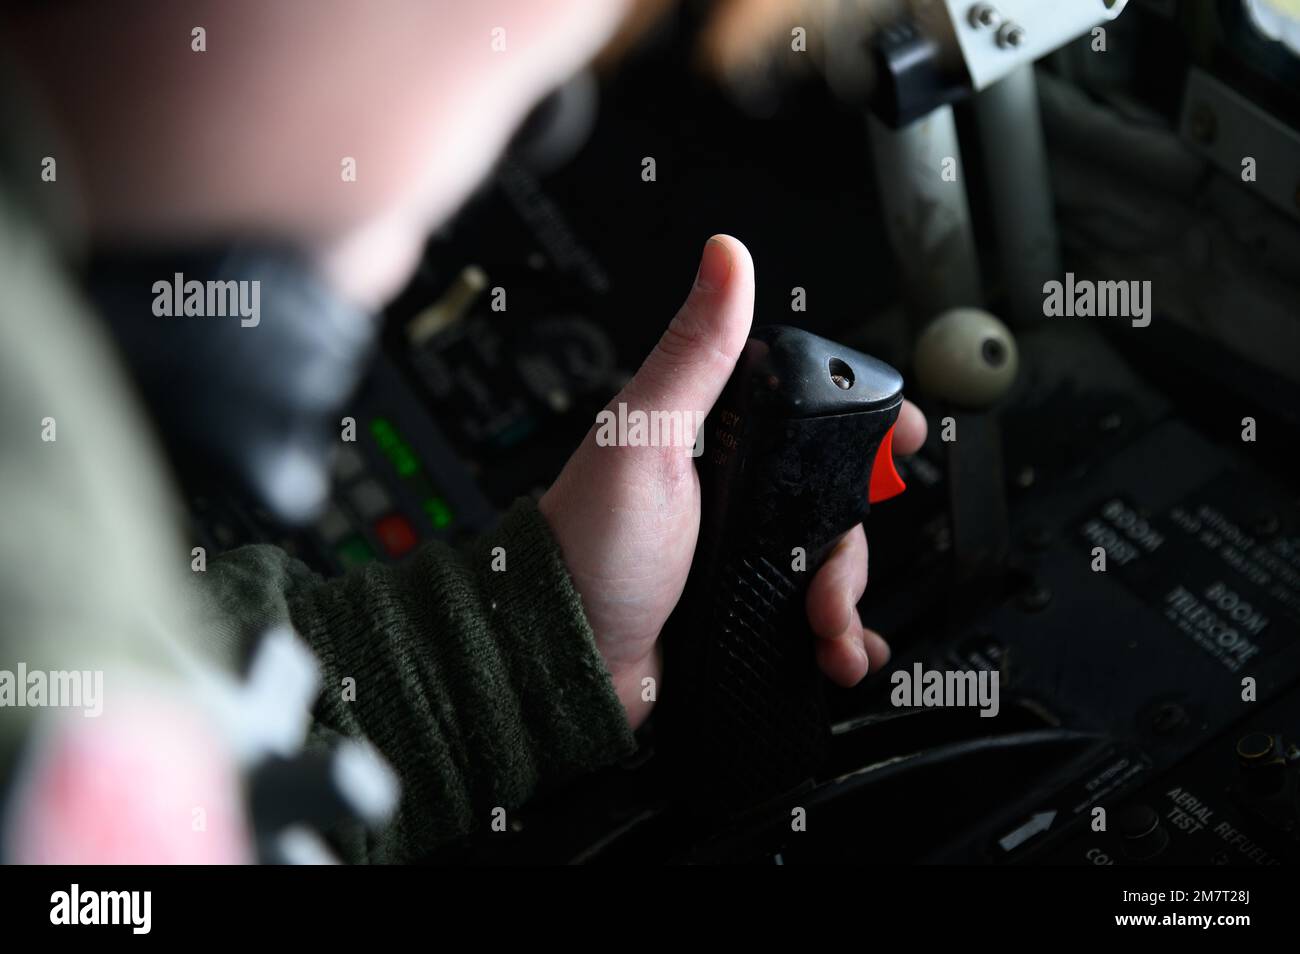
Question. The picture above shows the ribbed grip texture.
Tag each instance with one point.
(765, 719)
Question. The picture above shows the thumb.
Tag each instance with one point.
(690, 365)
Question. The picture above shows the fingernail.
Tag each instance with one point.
(715, 266)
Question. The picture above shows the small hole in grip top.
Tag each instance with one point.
(841, 374)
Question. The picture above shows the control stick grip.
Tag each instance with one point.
(785, 471)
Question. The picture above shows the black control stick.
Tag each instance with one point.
(797, 447)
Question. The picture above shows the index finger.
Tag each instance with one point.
(909, 431)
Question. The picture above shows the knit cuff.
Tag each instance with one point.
(574, 718)
(476, 675)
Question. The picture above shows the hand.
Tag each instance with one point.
(627, 518)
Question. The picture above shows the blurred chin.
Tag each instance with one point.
(370, 266)
(458, 138)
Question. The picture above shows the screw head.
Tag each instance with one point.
(984, 16)
(1010, 35)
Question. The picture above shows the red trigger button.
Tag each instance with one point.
(885, 482)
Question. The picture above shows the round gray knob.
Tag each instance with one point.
(967, 357)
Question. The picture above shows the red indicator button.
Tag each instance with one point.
(885, 482)
(396, 534)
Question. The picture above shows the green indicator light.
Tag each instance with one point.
(398, 452)
(438, 511)
(403, 460)
(354, 551)
(383, 432)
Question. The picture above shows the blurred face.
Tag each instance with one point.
(259, 134)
